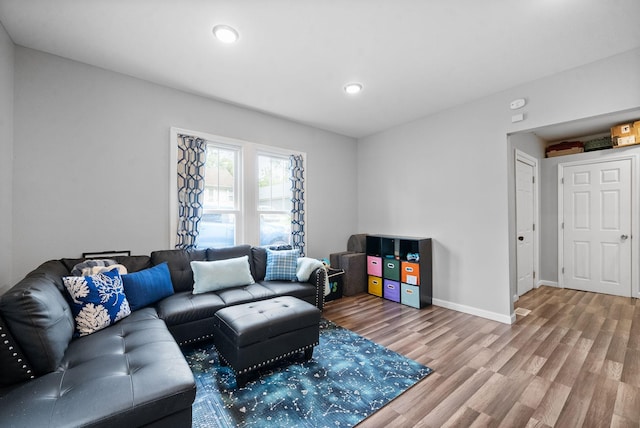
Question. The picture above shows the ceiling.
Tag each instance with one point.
(293, 58)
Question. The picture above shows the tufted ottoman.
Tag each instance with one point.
(250, 335)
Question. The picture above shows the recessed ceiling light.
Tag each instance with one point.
(226, 34)
(353, 88)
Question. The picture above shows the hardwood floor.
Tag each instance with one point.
(573, 361)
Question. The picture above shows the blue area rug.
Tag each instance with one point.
(348, 379)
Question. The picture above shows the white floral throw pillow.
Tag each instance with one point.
(97, 301)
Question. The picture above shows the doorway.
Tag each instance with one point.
(526, 171)
(595, 227)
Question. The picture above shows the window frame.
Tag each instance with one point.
(248, 217)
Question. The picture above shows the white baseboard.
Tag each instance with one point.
(505, 319)
(549, 283)
(515, 297)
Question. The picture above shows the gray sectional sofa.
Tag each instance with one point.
(131, 373)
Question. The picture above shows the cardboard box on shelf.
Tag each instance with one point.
(626, 134)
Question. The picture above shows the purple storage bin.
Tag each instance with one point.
(391, 290)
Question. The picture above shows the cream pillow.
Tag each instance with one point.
(221, 274)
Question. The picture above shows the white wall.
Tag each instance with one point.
(445, 176)
(6, 156)
(92, 161)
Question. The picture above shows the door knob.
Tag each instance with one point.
(520, 238)
(624, 237)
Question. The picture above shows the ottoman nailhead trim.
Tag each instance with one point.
(197, 339)
(272, 360)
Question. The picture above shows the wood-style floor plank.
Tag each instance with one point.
(573, 361)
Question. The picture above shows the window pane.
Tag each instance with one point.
(217, 230)
(275, 229)
(219, 189)
(274, 184)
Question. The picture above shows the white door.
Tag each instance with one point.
(597, 227)
(525, 215)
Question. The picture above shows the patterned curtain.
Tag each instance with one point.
(191, 166)
(297, 209)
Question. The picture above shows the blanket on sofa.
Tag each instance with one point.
(306, 266)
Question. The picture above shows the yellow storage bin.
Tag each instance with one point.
(375, 285)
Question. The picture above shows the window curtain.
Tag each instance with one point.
(297, 209)
(191, 167)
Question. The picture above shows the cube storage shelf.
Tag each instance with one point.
(400, 269)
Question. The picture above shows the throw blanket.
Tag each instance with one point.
(306, 266)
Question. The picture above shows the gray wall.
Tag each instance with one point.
(6, 157)
(91, 165)
(446, 176)
(92, 161)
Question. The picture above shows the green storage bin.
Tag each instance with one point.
(391, 269)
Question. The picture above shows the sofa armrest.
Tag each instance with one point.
(318, 279)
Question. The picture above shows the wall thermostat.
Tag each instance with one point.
(516, 104)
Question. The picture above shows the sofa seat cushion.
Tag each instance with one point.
(130, 374)
(288, 288)
(184, 307)
(248, 293)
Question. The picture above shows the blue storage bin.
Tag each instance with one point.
(410, 295)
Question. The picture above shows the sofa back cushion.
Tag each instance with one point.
(132, 263)
(179, 265)
(39, 319)
(54, 271)
(236, 251)
(259, 262)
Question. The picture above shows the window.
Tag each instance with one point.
(221, 206)
(247, 195)
(274, 199)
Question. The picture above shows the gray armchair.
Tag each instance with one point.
(353, 262)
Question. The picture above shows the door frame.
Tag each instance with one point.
(521, 156)
(635, 211)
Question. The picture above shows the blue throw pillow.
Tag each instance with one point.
(147, 286)
(97, 301)
(282, 265)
